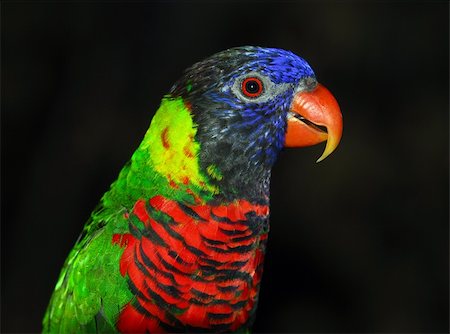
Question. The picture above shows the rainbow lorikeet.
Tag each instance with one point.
(177, 243)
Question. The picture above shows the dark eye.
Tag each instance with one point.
(252, 87)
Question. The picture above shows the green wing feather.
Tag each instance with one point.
(90, 291)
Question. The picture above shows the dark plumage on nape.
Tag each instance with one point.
(241, 136)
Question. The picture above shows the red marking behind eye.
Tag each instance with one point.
(164, 139)
(252, 94)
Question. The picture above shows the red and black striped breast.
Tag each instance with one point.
(193, 267)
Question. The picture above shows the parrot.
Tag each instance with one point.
(177, 243)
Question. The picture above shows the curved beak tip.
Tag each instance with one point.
(329, 148)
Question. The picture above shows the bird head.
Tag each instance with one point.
(247, 103)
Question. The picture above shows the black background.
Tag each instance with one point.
(358, 243)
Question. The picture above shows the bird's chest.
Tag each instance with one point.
(192, 267)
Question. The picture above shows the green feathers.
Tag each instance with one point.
(166, 161)
(90, 284)
(91, 291)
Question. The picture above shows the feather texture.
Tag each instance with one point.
(193, 267)
(177, 243)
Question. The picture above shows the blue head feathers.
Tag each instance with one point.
(239, 100)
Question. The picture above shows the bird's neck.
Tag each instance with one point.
(165, 163)
(171, 161)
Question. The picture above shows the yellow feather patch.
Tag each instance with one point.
(171, 144)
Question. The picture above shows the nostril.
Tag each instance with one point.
(310, 83)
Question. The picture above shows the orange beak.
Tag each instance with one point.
(314, 117)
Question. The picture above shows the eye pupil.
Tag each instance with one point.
(252, 87)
